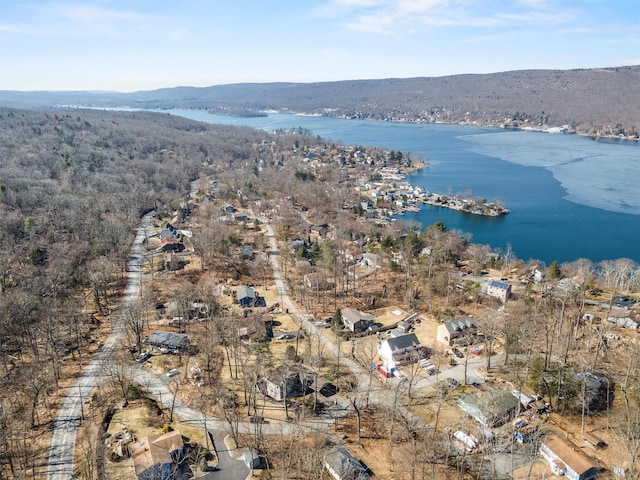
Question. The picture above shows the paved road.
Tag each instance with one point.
(378, 393)
(61, 453)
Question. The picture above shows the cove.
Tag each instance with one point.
(570, 197)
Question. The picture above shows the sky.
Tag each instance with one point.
(131, 45)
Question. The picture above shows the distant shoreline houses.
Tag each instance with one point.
(389, 194)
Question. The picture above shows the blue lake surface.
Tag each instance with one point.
(570, 197)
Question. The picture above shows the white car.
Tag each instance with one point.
(173, 372)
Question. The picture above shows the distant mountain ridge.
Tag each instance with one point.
(599, 101)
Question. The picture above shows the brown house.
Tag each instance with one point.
(154, 456)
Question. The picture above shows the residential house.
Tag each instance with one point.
(595, 391)
(297, 244)
(170, 340)
(342, 465)
(355, 320)
(198, 309)
(170, 245)
(172, 262)
(168, 230)
(499, 290)
(492, 408)
(399, 350)
(228, 208)
(369, 260)
(565, 458)
(246, 297)
(317, 232)
(460, 331)
(155, 456)
(286, 381)
(251, 325)
(247, 253)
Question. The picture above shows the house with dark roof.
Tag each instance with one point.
(492, 408)
(460, 331)
(287, 381)
(170, 245)
(154, 457)
(499, 290)
(170, 340)
(355, 320)
(565, 458)
(399, 350)
(342, 465)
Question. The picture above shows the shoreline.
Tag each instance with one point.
(393, 195)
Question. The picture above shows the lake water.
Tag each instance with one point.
(570, 197)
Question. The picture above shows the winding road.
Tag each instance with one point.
(61, 454)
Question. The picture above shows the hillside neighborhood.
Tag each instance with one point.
(302, 343)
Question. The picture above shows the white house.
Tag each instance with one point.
(399, 350)
(565, 458)
(499, 290)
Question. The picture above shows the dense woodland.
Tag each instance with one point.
(600, 101)
(74, 184)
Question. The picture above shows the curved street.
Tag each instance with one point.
(61, 454)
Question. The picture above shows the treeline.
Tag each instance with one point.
(599, 101)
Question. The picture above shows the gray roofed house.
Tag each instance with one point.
(399, 350)
(355, 320)
(455, 330)
(287, 381)
(170, 340)
(342, 465)
(246, 296)
(492, 408)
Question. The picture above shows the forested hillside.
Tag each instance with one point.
(73, 185)
(603, 101)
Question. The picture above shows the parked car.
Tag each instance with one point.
(143, 357)
(285, 336)
(322, 324)
(453, 383)
(172, 373)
